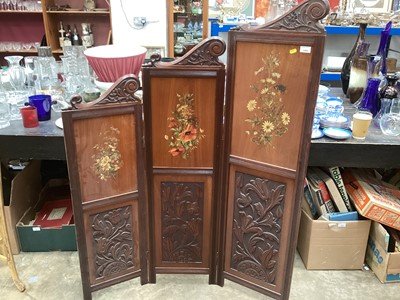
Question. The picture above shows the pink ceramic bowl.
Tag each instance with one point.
(110, 62)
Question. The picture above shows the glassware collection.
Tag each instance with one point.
(21, 5)
(373, 93)
(54, 82)
(72, 37)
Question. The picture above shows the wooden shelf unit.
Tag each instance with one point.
(184, 17)
(31, 26)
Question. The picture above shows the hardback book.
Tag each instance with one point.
(343, 216)
(55, 214)
(313, 211)
(337, 178)
(318, 184)
(332, 189)
(316, 195)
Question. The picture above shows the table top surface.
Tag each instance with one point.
(47, 142)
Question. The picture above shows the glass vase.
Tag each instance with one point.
(345, 72)
(358, 72)
(369, 100)
(384, 109)
(390, 122)
(16, 72)
(382, 49)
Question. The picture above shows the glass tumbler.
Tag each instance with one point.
(4, 114)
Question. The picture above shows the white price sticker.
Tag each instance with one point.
(305, 49)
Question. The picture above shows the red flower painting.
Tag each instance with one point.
(184, 128)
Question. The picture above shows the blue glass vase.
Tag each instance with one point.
(370, 98)
(382, 49)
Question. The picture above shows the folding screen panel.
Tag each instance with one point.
(272, 84)
(104, 146)
(183, 105)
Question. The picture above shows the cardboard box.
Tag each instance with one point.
(35, 238)
(373, 198)
(386, 266)
(328, 245)
(54, 214)
(20, 193)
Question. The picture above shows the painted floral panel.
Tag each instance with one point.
(268, 116)
(107, 157)
(185, 131)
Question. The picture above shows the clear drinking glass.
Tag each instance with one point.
(16, 72)
(4, 113)
(390, 122)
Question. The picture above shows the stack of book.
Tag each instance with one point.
(326, 196)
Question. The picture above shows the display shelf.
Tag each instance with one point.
(217, 28)
(80, 12)
(184, 17)
(330, 76)
(330, 29)
(31, 26)
(20, 12)
(31, 51)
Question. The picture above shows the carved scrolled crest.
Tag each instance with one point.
(303, 18)
(205, 53)
(122, 91)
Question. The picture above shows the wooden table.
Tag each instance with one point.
(376, 151)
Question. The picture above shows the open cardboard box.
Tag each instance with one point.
(328, 245)
(385, 265)
(35, 238)
(20, 193)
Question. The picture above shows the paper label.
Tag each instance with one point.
(305, 49)
(57, 213)
(293, 51)
(341, 225)
(35, 228)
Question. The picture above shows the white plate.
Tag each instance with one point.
(103, 85)
(317, 135)
(59, 123)
(337, 133)
(323, 90)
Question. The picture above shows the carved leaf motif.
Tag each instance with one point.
(257, 223)
(113, 241)
(182, 221)
(304, 18)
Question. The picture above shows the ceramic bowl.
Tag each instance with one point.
(91, 94)
(111, 62)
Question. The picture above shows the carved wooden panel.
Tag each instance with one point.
(104, 146)
(182, 206)
(183, 105)
(257, 224)
(271, 91)
(182, 221)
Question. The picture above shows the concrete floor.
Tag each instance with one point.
(56, 275)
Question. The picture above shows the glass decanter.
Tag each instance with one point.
(370, 97)
(390, 122)
(16, 72)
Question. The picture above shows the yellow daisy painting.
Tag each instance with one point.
(268, 116)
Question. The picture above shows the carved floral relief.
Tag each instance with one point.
(185, 131)
(113, 241)
(258, 212)
(182, 221)
(107, 156)
(268, 118)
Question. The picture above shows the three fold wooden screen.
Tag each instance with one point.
(212, 182)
